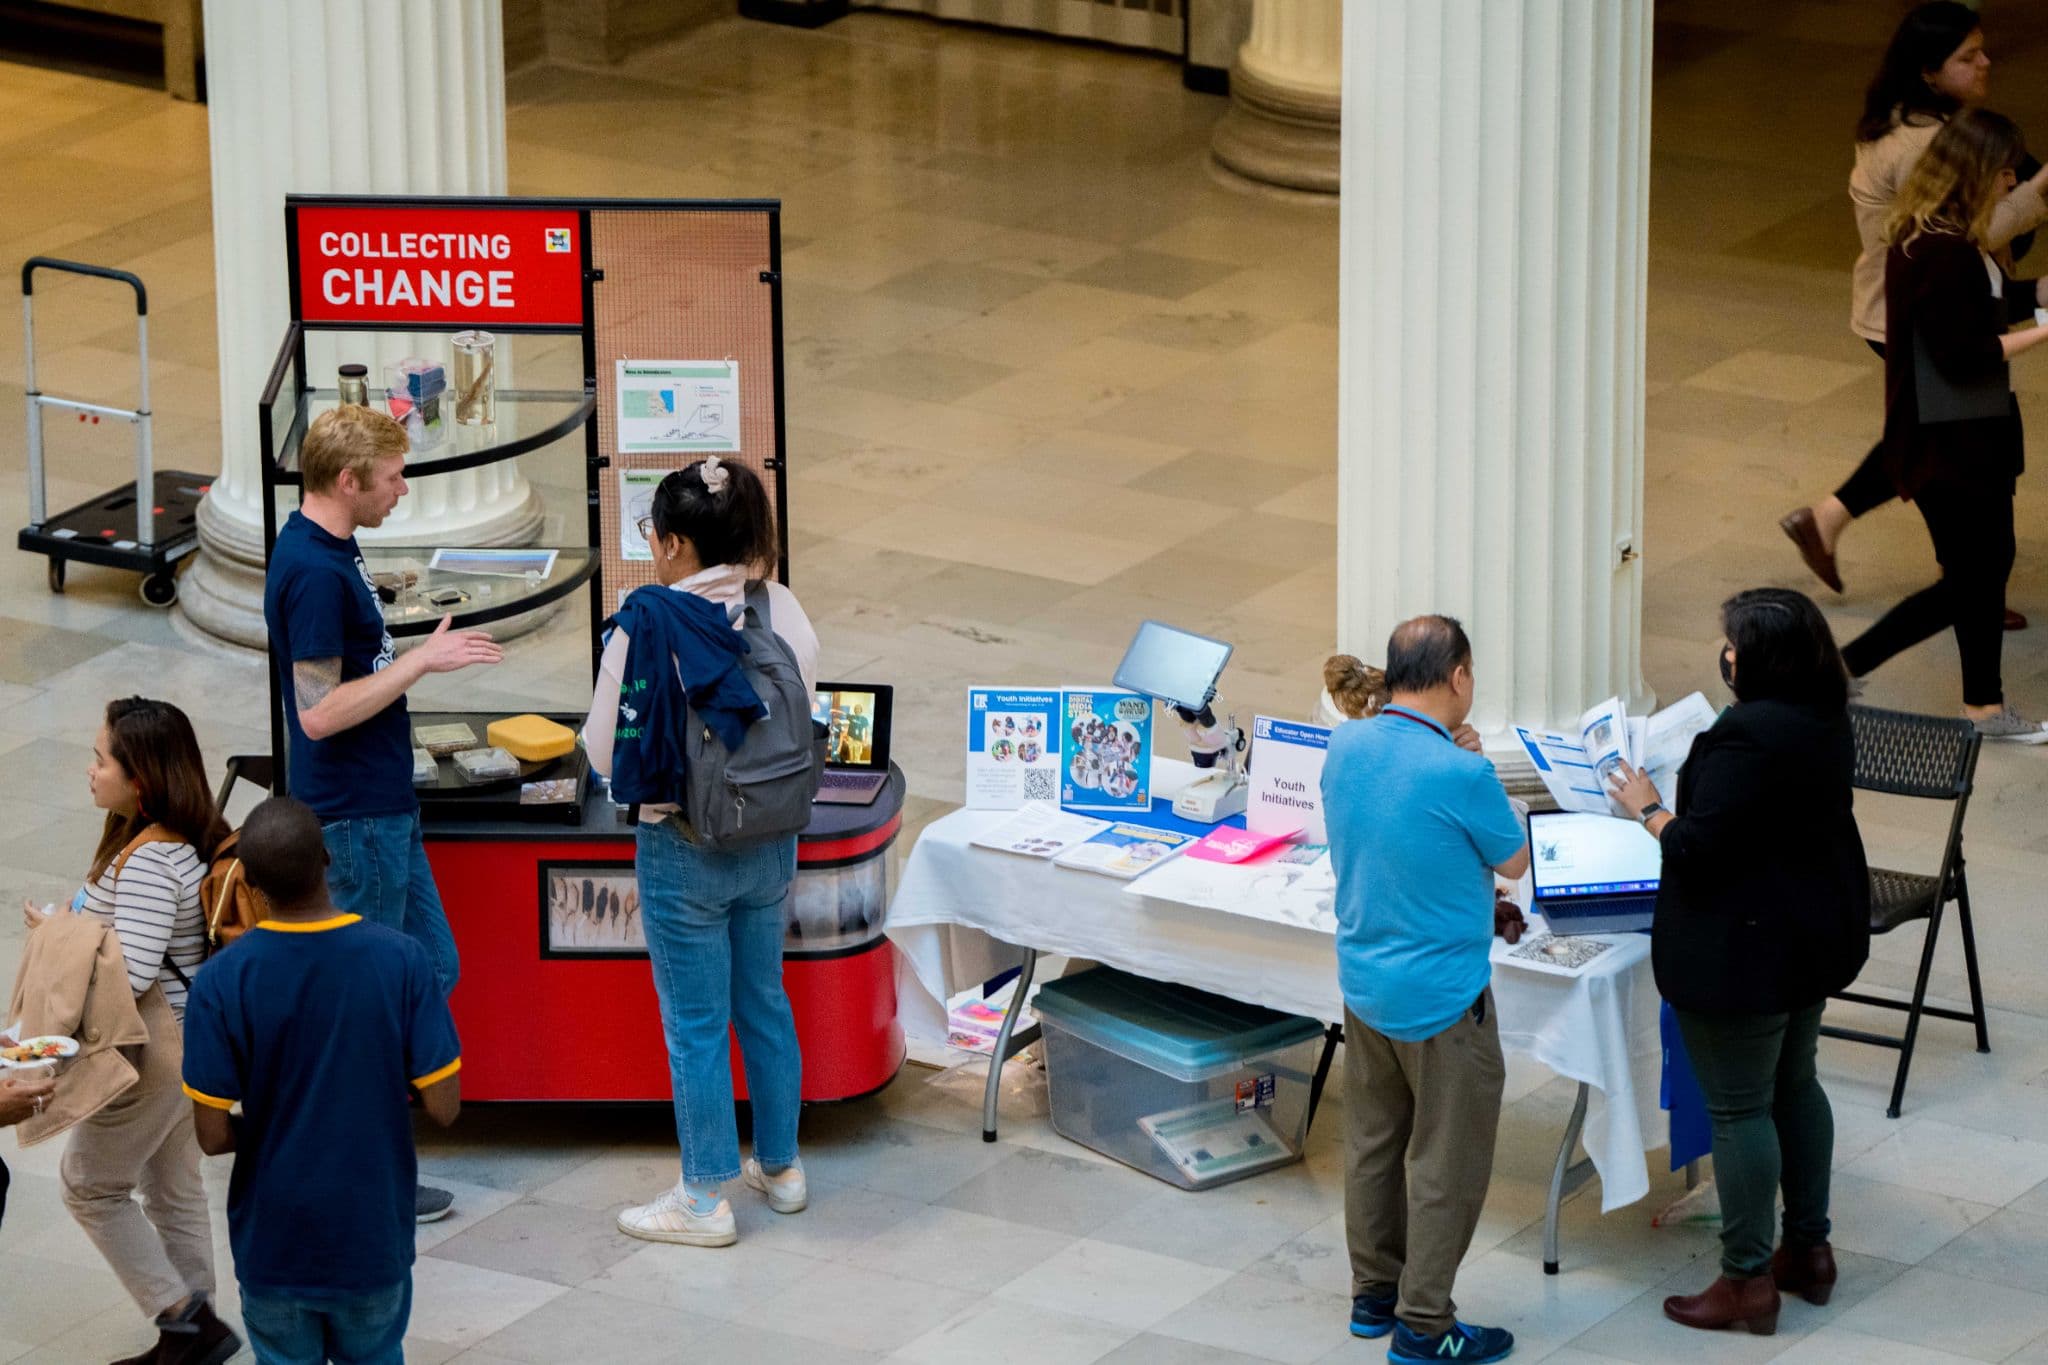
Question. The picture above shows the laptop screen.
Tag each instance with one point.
(853, 722)
(1592, 855)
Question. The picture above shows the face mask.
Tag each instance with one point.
(1727, 670)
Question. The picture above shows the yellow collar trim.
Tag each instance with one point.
(308, 926)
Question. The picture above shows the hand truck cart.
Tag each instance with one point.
(146, 535)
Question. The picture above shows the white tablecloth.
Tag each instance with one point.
(963, 914)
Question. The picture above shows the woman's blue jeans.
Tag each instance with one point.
(714, 926)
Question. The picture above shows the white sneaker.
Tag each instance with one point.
(2012, 727)
(669, 1219)
(787, 1192)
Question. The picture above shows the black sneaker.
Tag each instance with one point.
(1464, 1343)
(430, 1205)
(197, 1338)
(1372, 1316)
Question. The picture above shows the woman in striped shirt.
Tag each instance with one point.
(147, 774)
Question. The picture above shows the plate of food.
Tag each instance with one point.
(38, 1051)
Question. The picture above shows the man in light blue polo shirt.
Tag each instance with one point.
(1419, 826)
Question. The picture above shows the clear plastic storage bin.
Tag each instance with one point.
(1193, 1088)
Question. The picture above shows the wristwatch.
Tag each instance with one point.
(1654, 808)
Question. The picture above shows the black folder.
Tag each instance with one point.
(1943, 399)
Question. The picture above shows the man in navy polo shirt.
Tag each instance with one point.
(317, 1025)
(1419, 827)
(344, 684)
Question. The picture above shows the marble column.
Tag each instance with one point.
(1493, 239)
(335, 96)
(1282, 125)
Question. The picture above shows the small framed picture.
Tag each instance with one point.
(590, 910)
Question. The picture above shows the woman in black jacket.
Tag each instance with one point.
(1952, 438)
(1764, 912)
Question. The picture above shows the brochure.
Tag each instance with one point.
(1287, 777)
(1040, 831)
(1107, 751)
(1124, 851)
(1226, 845)
(1575, 768)
(1013, 746)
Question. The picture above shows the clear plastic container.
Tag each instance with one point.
(486, 765)
(426, 770)
(445, 738)
(1192, 1088)
(475, 379)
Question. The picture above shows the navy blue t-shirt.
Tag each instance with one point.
(319, 603)
(316, 1029)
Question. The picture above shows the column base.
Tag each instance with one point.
(1273, 135)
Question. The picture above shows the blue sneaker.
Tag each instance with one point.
(1464, 1343)
(1372, 1317)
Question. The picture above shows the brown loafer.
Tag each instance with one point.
(1805, 533)
(1808, 1272)
(1751, 1303)
(2014, 621)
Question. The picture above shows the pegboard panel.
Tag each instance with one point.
(681, 285)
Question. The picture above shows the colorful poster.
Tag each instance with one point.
(678, 405)
(1287, 778)
(1107, 754)
(1013, 746)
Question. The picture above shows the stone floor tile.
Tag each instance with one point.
(1113, 1284)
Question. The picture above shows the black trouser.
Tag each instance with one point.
(1869, 487)
(1973, 542)
(1772, 1128)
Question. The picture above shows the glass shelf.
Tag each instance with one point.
(527, 420)
(490, 597)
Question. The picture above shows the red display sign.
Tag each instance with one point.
(440, 267)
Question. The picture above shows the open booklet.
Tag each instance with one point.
(1576, 768)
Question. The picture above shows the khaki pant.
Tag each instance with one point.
(162, 1248)
(1419, 1124)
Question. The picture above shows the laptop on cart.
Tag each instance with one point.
(855, 717)
(1594, 874)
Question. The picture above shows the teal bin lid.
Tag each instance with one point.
(1188, 1034)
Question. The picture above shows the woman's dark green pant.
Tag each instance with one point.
(1772, 1128)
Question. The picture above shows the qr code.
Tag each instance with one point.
(1040, 784)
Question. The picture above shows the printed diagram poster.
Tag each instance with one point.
(678, 405)
(636, 504)
(1287, 778)
(1107, 752)
(1013, 746)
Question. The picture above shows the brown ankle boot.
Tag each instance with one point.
(1751, 1303)
(1808, 1272)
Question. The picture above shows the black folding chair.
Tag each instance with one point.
(1934, 758)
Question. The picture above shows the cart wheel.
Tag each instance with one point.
(56, 575)
(159, 590)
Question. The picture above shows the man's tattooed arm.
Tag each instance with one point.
(313, 680)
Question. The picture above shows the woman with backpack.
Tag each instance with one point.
(711, 906)
(161, 830)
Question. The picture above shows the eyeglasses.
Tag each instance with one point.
(645, 526)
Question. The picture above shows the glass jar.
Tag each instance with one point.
(353, 384)
(476, 383)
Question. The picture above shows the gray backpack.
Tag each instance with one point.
(761, 791)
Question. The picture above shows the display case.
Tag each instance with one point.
(639, 304)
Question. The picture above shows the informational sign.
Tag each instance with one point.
(1287, 778)
(438, 267)
(678, 405)
(636, 504)
(1107, 751)
(1013, 746)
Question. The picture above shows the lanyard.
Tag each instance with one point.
(1416, 720)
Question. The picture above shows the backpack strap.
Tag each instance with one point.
(154, 834)
(757, 603)
(229, 879)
